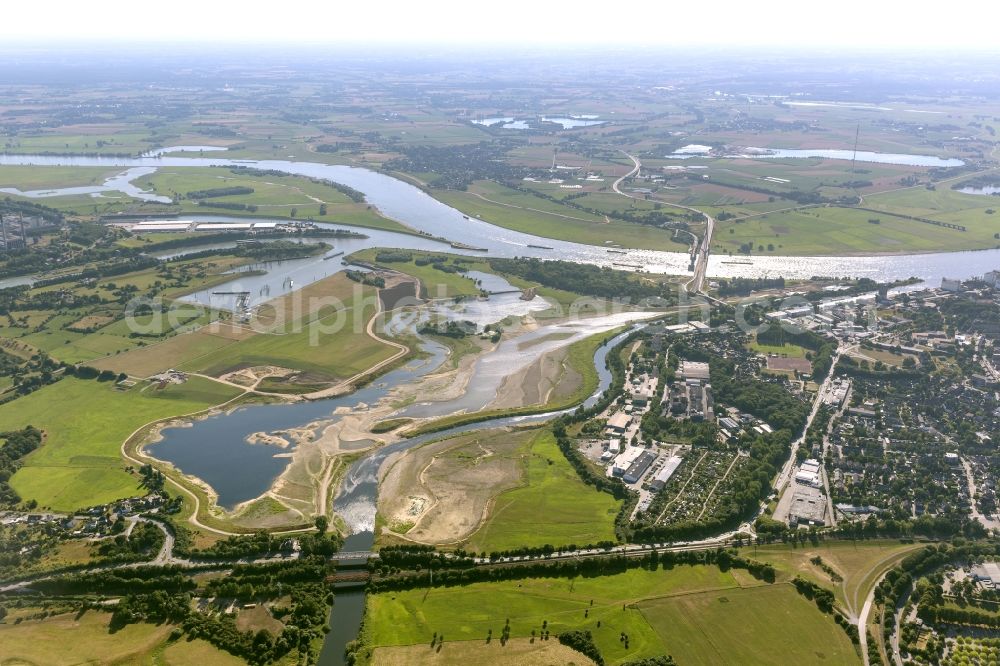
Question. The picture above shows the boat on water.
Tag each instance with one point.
(541, 247)
(471, 248)
(617, 251)
(738, 263)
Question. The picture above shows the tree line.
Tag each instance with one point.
(17, 444)
(585, 279)
(587, 567)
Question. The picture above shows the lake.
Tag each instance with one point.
(988, 190)
(695, 150)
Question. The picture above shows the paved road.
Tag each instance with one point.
(697, 283)
(785, 476)
(633, 172)
(700, 253)
(863, 621)
(987, 522)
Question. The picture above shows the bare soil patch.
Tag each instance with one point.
(441, 492)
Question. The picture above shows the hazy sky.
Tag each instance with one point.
(848, 23)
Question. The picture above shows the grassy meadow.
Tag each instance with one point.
(748, 619)
(85, 422)
(328, 344)
(552, 506)
(433, 282)
(26, 178)
(85, 638)
(508, 208)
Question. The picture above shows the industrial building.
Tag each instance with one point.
(625, 459)
(162, 226)
(987, 573)
(614, 448)
(663, 475)
(225, 226)
(694, 370)
(618, 423)
(949, 284)
(808, 507)
(639, 467)
(181, 226)
(643, 392)
(809, 474)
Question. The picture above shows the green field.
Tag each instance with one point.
(175, 350)
(757, 625)
(789, 350)
(834, 230)
(743, 622)
(85, 422)
(858, 563)
(552, 220)
(56, 332)
(434, 283)
(553, 506)
(27, 178)
(107, 139)
(328, 344)
(273, 195)
(87, 639)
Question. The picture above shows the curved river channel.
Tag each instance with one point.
(417, 209)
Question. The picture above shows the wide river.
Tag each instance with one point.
(417, 209)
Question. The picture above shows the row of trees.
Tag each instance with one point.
(589, 567)
(262, 544)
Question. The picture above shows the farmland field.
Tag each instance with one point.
(273, 195)
(434, 283)
(757, 625)
(48, 177)
(329, 344)
(848, 231)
